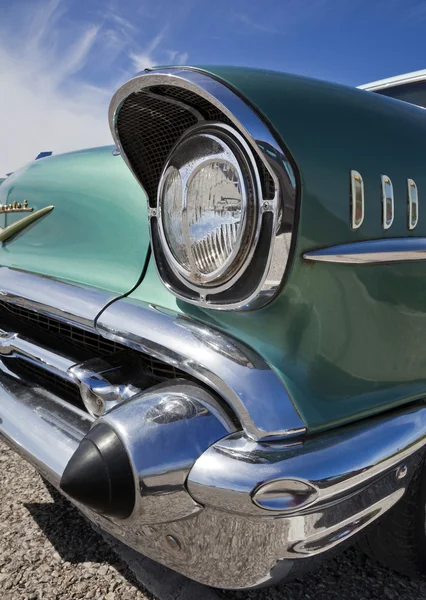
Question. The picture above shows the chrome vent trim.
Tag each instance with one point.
(149, 114)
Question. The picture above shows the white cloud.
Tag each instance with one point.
(151, 56)
(42, 105)
(47, 100)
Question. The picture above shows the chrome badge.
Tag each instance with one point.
(16, 207)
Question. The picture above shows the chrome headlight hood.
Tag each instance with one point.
(148, 117)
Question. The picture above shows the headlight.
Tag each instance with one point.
(206, 206)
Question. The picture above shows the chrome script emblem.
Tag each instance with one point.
(7, 232)
(16, 207)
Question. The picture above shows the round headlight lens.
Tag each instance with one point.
(203, 205)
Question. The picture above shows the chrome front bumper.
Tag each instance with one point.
(228, 488)
(251, 509)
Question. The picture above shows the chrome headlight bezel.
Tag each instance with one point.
(148, 115)
(237, 153)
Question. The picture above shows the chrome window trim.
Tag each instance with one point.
(372, 252)
(413, 204)
(234, 371)
(255, 132)
(387, 196)
(395, 81)
(357, 199)
(67, 302)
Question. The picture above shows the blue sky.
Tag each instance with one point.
(61, 60)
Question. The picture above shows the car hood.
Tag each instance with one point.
(97, 232)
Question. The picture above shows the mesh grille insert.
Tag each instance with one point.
(148, 128)
(208, 110)
(91, 343)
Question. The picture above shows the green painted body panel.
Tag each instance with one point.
(347, 340)
(96, 235)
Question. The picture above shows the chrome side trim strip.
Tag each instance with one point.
(413, 204)
(372, 252)
(357, 200)
(67, 302)
(387, 202)
(238, 374)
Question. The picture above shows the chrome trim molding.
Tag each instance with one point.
(222, 501)
(387, 202)
(372, 252)
(237, 373)
(357, 200)
(382, 84)
(67, 302)
(262, 144)
(413, 204)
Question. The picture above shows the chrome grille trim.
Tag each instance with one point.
(65, 302)
(176, 344)
(91, 342)
(13, 345)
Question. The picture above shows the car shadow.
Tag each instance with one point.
(72, 536)
(349, 576)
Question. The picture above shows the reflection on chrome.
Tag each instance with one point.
(226, 539)
(238, 374)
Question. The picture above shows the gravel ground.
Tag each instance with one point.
(49, 551)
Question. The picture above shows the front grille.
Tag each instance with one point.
(90, 344)
(79, 338)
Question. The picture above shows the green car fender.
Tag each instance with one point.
(96, 234)
(347, 340)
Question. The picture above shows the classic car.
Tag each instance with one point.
(212, 333)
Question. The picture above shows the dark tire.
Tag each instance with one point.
(398, 540)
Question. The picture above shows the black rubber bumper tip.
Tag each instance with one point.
(99, 474)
